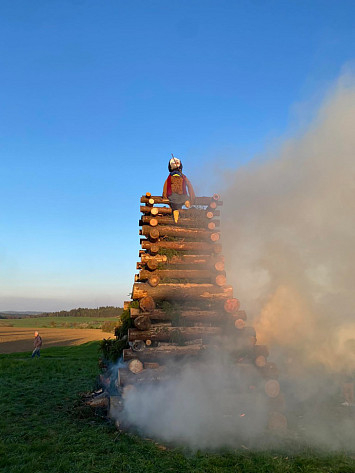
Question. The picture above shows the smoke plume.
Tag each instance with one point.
(291, 247)
(288, 231)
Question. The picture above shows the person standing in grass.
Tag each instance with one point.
(37, 343)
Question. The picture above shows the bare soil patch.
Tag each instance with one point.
(19, 339)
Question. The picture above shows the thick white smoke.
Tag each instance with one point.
(292, 251)
(288, 229)
(207, 405)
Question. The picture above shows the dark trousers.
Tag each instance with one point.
(35, 352)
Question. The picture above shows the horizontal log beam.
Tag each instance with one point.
(163, 333)
(125, 377)
(213, 263)
(177, 274)
(163, 353)
(190, 274)
(153, 221)
(192, 233)
(182, 292)
(196, 246)
(145, 257)
(181, 259)
(151, 262)
(198, 200)
(186, 213)
(189, 315)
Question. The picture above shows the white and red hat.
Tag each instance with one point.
(174, 163)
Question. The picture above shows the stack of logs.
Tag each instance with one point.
(182, 306)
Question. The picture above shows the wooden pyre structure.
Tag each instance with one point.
(181, 305)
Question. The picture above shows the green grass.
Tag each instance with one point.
(44, 428)
(59, 322)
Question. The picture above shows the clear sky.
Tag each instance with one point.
(95, 95)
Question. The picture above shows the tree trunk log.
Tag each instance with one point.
(191, 274)
(191, 223)
(135, 366)
(188, 213)
(181, 266)
(213, 224)
(153, 280)
(153, 247)
(98, 401)
(163, 353)
(220, 280)
(199, 316)
(239, 324)
(198, 200)
(152, 233)
(142, 322)
(231, 305)
(197, 246)
(212, 213)
(213, 263)
(168, 334)
(182, 291)
(152, 366)
(125, 377)
(147, 303)
(272, 388)
(152, 264)
(146, 258)
(191, 233)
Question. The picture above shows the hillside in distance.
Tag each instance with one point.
(108, 311)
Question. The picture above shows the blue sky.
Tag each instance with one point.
(94, 96)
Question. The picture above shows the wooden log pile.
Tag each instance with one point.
(181, 303)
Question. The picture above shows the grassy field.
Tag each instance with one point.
(59, 322)
(44, 428)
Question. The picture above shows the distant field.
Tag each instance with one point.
(60, 322)
(19, 339)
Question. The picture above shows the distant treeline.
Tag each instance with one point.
(108, 311)
(18, 315)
